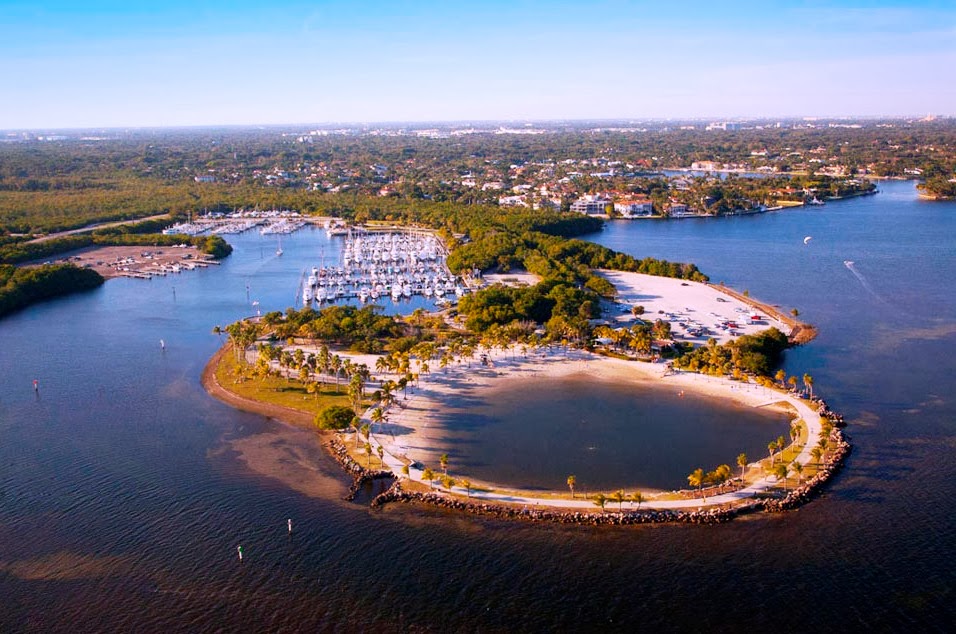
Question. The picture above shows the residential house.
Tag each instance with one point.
(592, 205)
(634, 207)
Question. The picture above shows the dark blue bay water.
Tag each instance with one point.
(124, 489)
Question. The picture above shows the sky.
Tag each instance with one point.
(175, 63)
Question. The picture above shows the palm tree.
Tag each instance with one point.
(816, 453)
(406, 471)
(808, 382)
(600, 500)
(638, 498)
(336, 365)
(357, 425)
(366, 431)
(780, 444)
(467, 485)
(792, 382)
(368, 452)
(381, 455)
(377, 416)
(619, 497)
(428, 476)
(772, 447)
(571, 482)
(355, 391)
(742, 463)
(325, 360)
(781, 376)
(348, 368)
(722, 473)
(447, 481)
(697, 479)
(217, 330)
(798, 469)
(782, 471)
(443, 461)
(381, 365)
(387, 396)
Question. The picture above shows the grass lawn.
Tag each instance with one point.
(280, 390)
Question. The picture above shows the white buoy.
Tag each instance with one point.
(36, 385)
(162, 344)
(290, 526)
(239, 550)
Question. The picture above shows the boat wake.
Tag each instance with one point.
(850, 265)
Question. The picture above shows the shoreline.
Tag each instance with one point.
(506, 503)
(208, 379)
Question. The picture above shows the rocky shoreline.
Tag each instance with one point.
(807, 490)
(801, 494)
(360, 475)
(717, 515)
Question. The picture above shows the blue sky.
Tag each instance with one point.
(98, 64)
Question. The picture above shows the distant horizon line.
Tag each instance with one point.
(486, 122)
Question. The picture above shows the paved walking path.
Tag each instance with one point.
(689, 381)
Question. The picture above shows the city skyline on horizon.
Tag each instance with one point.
(485, 125)
(213, 63)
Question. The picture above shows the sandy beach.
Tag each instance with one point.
(415, 433)
(699, 307)
(415, 430)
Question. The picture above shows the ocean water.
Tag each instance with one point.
(125, 489)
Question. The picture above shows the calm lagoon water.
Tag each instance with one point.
(534, 432)
(125, 489)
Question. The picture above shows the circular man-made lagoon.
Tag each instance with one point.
(534, 432)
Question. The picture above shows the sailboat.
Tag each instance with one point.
(279, 250)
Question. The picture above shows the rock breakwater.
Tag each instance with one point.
(503, 511)
(360, 475)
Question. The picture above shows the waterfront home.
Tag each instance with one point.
(680, 210)
(591, 205)
(634, 207)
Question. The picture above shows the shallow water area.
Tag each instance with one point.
(125, 489)
(531, 433)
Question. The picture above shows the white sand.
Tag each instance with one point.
(415, 431)
(512, 278)
(692, 303)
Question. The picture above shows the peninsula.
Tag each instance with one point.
(422, 363)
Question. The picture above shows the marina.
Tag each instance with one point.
(379, 265)
(273, 221)
(127, 513)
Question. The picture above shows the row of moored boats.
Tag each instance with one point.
(396, 265)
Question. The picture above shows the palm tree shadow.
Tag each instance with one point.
(468, 422)
(394, 429)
